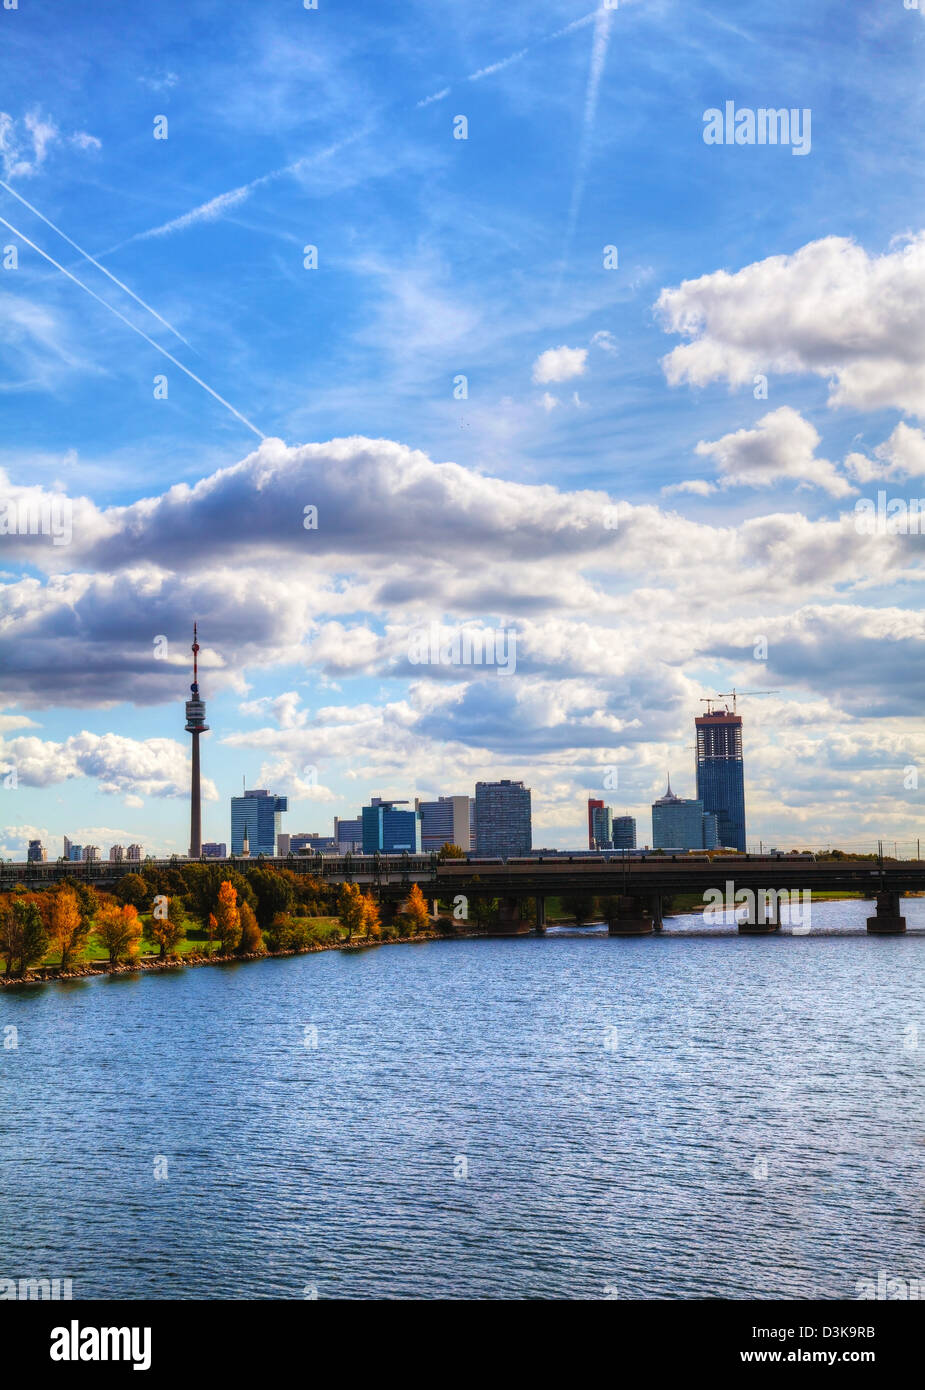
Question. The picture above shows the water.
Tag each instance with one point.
(614, 1102)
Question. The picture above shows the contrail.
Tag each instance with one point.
(205, 212)
(598, 56)
(216, 206)
(163, 351)
(86, 254)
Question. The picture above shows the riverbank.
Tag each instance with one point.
(50, 974)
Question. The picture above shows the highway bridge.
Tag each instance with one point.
(634, 885)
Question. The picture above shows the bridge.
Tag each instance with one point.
(634, 887)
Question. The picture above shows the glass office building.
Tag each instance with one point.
(502, 819)
(721, 774)
(389, 830)
(259, 813)
(678, 823)
(624, 832)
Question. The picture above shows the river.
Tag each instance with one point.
(575, 1116)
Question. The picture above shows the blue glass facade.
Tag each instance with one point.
(259, 813)
(389, 830)
(721, 775)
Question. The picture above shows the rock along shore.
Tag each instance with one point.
(49, 974)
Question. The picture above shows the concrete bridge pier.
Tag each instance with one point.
(540, 915)
(655, 908)
(510, 919)
(888, 921)
(633, 918)
(763, 917)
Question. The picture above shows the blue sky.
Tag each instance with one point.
(592, 393)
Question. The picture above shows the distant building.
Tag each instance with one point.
(678, 823)
(388, 830)
(91, 854)
(256, 814)
(282, 845)
(446, 821)
(116, 854)
(72, 852)
(215, 849)
(502, 819)
(348, 834)
(720, 773)
(36, 853)
(133, 852)
(593, 806)
(601, 828)
(624, 832)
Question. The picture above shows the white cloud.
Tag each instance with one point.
(900, 457)
(559, 364)
(25, 142)
(830, 310)
(782, 446)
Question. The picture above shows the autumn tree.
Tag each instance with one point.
(213, 925)
(68, 928)
(449, 851)
(251, 938)
(119, 930)
(415, 909)
(23, 938)
(370, 915)
(350, 908)
(165, 932)
(227, 917)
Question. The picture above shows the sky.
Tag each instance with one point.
(353, 330)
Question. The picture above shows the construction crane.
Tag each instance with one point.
(734, 695)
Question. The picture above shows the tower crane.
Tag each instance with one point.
(734, 695)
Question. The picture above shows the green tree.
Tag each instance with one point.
(275, 891)
(132, 888)
(23, 938)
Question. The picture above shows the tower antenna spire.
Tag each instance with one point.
(195, 725)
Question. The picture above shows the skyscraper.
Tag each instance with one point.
(720, 773)
(678, 823)
(624, 832)
(255, 817)
(601, 827)
(445, 821)
(502, 819)
(195, 725)
(593, 806)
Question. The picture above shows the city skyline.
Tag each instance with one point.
(569, 427)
